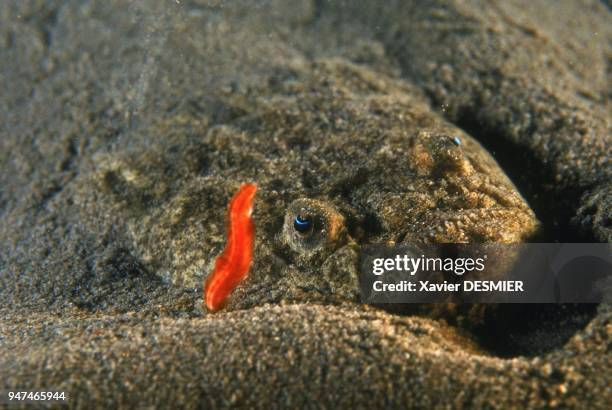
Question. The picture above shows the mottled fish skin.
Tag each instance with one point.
(382, 168)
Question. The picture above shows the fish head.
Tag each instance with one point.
(342, 158)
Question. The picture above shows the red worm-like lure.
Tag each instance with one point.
(232, 266)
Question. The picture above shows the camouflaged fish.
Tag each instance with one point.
(341, 156)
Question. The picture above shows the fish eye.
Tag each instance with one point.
(311, 226)
(302, 224)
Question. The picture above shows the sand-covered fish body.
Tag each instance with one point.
(361, 156)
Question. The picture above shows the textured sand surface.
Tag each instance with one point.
(300, 355)
(125, 127)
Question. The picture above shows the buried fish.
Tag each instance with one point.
(342, 158)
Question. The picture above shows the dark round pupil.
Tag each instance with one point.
(302, 224)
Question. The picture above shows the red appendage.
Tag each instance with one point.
(232, 266)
